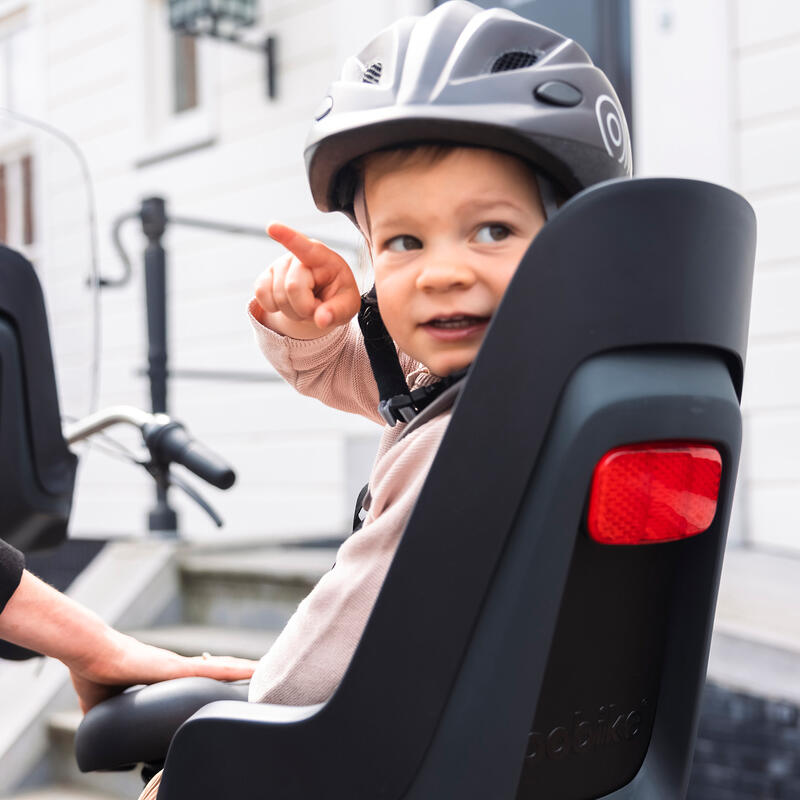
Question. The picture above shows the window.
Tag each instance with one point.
(184, 49)
(177, 104)
(17, 206)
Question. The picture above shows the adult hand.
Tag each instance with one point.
(101, 660)
(125, 661)
(308, 291)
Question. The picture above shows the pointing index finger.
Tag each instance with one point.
(311, 253)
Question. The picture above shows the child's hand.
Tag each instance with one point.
(309, 290)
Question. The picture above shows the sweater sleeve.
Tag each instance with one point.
(333, 368)
(309, 658)
(12, 563)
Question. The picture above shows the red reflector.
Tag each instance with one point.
(654, 492)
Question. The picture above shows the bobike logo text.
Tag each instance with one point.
(585, 735)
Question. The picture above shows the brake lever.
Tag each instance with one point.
(180, 483)
(174, 480)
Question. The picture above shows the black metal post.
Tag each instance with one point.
(154, 222)
(269, 52)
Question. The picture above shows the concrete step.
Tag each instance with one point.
(755, 647)
(192, 640)
(287, 566)
(63, 792)
(255, 588)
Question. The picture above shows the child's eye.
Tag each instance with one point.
(492, 233)
(402, 244)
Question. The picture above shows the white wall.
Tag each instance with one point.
(767, 52)
(717, 97)
(682, 89)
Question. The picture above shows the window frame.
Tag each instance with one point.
(23, 225)
(163, 133)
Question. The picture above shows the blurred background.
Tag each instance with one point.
(215, 128)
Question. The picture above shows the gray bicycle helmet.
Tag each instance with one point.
(472, 76)
(464, 75)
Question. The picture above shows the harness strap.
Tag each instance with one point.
(381, 351)
(437, 406)
(397, 402)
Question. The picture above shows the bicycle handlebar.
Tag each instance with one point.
(168, 441)
(75, 432)
(172, 443)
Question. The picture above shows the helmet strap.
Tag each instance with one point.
(381, 350)
(548, 195)
(397, 402)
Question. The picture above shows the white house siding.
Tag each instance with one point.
(766, 53)
(717, 97)
(291, 453)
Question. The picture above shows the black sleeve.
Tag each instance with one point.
(12, 562)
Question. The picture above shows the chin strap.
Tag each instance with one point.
(397, 402)
(549, 196)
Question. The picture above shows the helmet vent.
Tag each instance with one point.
(372, 74)
(514, 59)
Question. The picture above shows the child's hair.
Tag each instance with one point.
(418, 153)
(410, 154)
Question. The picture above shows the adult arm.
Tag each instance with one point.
(101, 660)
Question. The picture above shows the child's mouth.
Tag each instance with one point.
(457, 322)
(456, 327)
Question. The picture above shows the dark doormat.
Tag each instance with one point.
(748, 748)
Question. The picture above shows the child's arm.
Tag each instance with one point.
(303, 313)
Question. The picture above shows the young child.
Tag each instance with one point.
(446, 228)
(448, 141)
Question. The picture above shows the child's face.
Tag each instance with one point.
(446, 239)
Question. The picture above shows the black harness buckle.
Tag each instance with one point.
(400, 408)
(404, 407)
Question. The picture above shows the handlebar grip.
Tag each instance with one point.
(172, 442)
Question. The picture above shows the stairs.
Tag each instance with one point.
(64, 793)
(228, 601)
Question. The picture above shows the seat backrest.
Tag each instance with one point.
(37, 469)
(508, 654)
(626, 322)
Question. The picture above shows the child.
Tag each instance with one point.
(446, 228)
(448, 141)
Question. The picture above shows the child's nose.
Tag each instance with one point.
(443, 274)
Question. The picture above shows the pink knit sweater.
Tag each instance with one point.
(309, 658)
